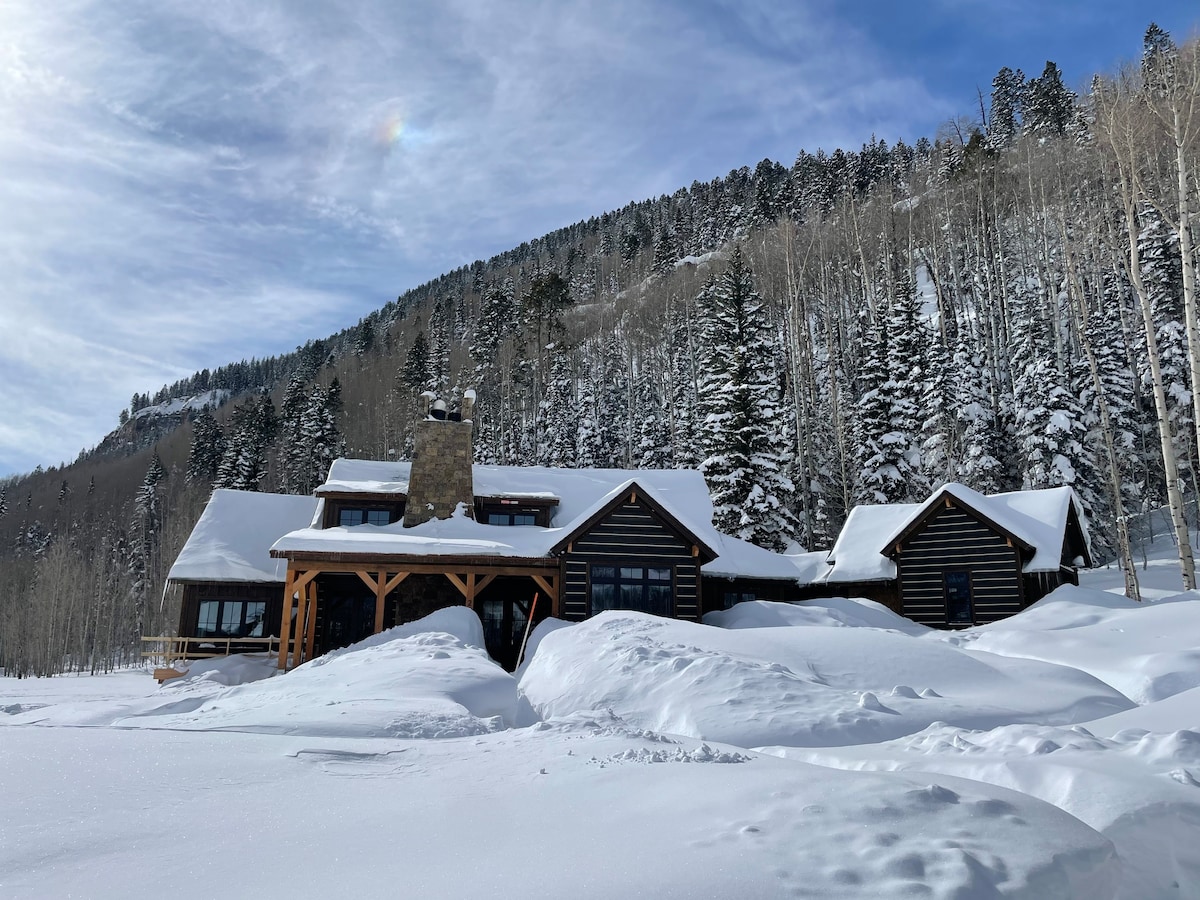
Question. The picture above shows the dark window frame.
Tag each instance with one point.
(628, 579)
(365, 514)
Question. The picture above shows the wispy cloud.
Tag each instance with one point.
(185, 184)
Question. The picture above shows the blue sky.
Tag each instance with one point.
(186, 184)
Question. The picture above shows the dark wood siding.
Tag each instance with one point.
(631, 534)
(952, 540)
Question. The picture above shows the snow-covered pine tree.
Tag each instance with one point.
(892, 379)
(556, 445)
(653, 447)
(979, 465)
(253, 428)
(747, 452)
(1048, 105)
(208, 445)
(1008, 88)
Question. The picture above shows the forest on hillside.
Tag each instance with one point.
(1009, 305)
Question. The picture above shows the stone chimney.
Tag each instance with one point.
(441, 467)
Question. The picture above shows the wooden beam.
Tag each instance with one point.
(369, 581)
(298, 628)
(285, 622)
(380, 595)
(483, 582)
(547, 584)
(311, 640)
(304, 577)
(395, 580)
(457, 582)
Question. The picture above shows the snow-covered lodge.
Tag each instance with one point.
(383, 543)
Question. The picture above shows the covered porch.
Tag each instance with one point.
(354, 602)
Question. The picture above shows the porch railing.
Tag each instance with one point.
(167, 650)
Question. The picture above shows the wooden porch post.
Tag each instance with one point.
(311, 638)
(285, 621)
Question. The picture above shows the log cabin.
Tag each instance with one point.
(384, 543)
(960, 558)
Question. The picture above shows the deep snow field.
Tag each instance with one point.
(831, 749)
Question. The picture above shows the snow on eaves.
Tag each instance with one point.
(232, 539)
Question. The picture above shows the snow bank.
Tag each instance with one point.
(1138, 789)
(1145, 651)
(831, 612)
(814, 686)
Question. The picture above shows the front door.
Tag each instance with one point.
(959, 608)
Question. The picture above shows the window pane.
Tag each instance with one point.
(631, 573)
(659, 599)
(377, 517)
(523, 519)
(658, 574)
(231, 617)
(602, 597)
(206, 625)
(606, 572)
(633, 596)
(254, 619)
(497, 518)
(350, 517)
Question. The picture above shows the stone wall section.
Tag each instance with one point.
(441, 471)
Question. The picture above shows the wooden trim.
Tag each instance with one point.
(368, 581)
(951, 502)
(654, 506)
(285, 621)
(361, 496)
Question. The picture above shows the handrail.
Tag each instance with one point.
(170, 649)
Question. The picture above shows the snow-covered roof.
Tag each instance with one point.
(579, 493)
(233, 538)
(1038, 518)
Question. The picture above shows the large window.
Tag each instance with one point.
(354, 516)
(643, 588)
(231, 618)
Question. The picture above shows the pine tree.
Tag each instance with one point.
(208, 445)
(1008, 88)
(1049, 106)
(415, 374)
(746, 450)
(653, 449)
(557, 444)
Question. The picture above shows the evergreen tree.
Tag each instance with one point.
(1049, 106)
(208, 445)
(415, 374)
(653, 449)
(557, 444)
(1007, 90)
(746, 450)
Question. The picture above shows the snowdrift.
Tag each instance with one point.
(799, 686)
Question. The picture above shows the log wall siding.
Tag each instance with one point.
(630, 535)
(954, 540)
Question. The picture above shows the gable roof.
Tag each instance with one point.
(679, 495)
(233, 537)
(1038, 521)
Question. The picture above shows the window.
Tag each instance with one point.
(732, 598)
(643, 588)
(506, 518)
(959, 609)
(352, 516)
(231, 618)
